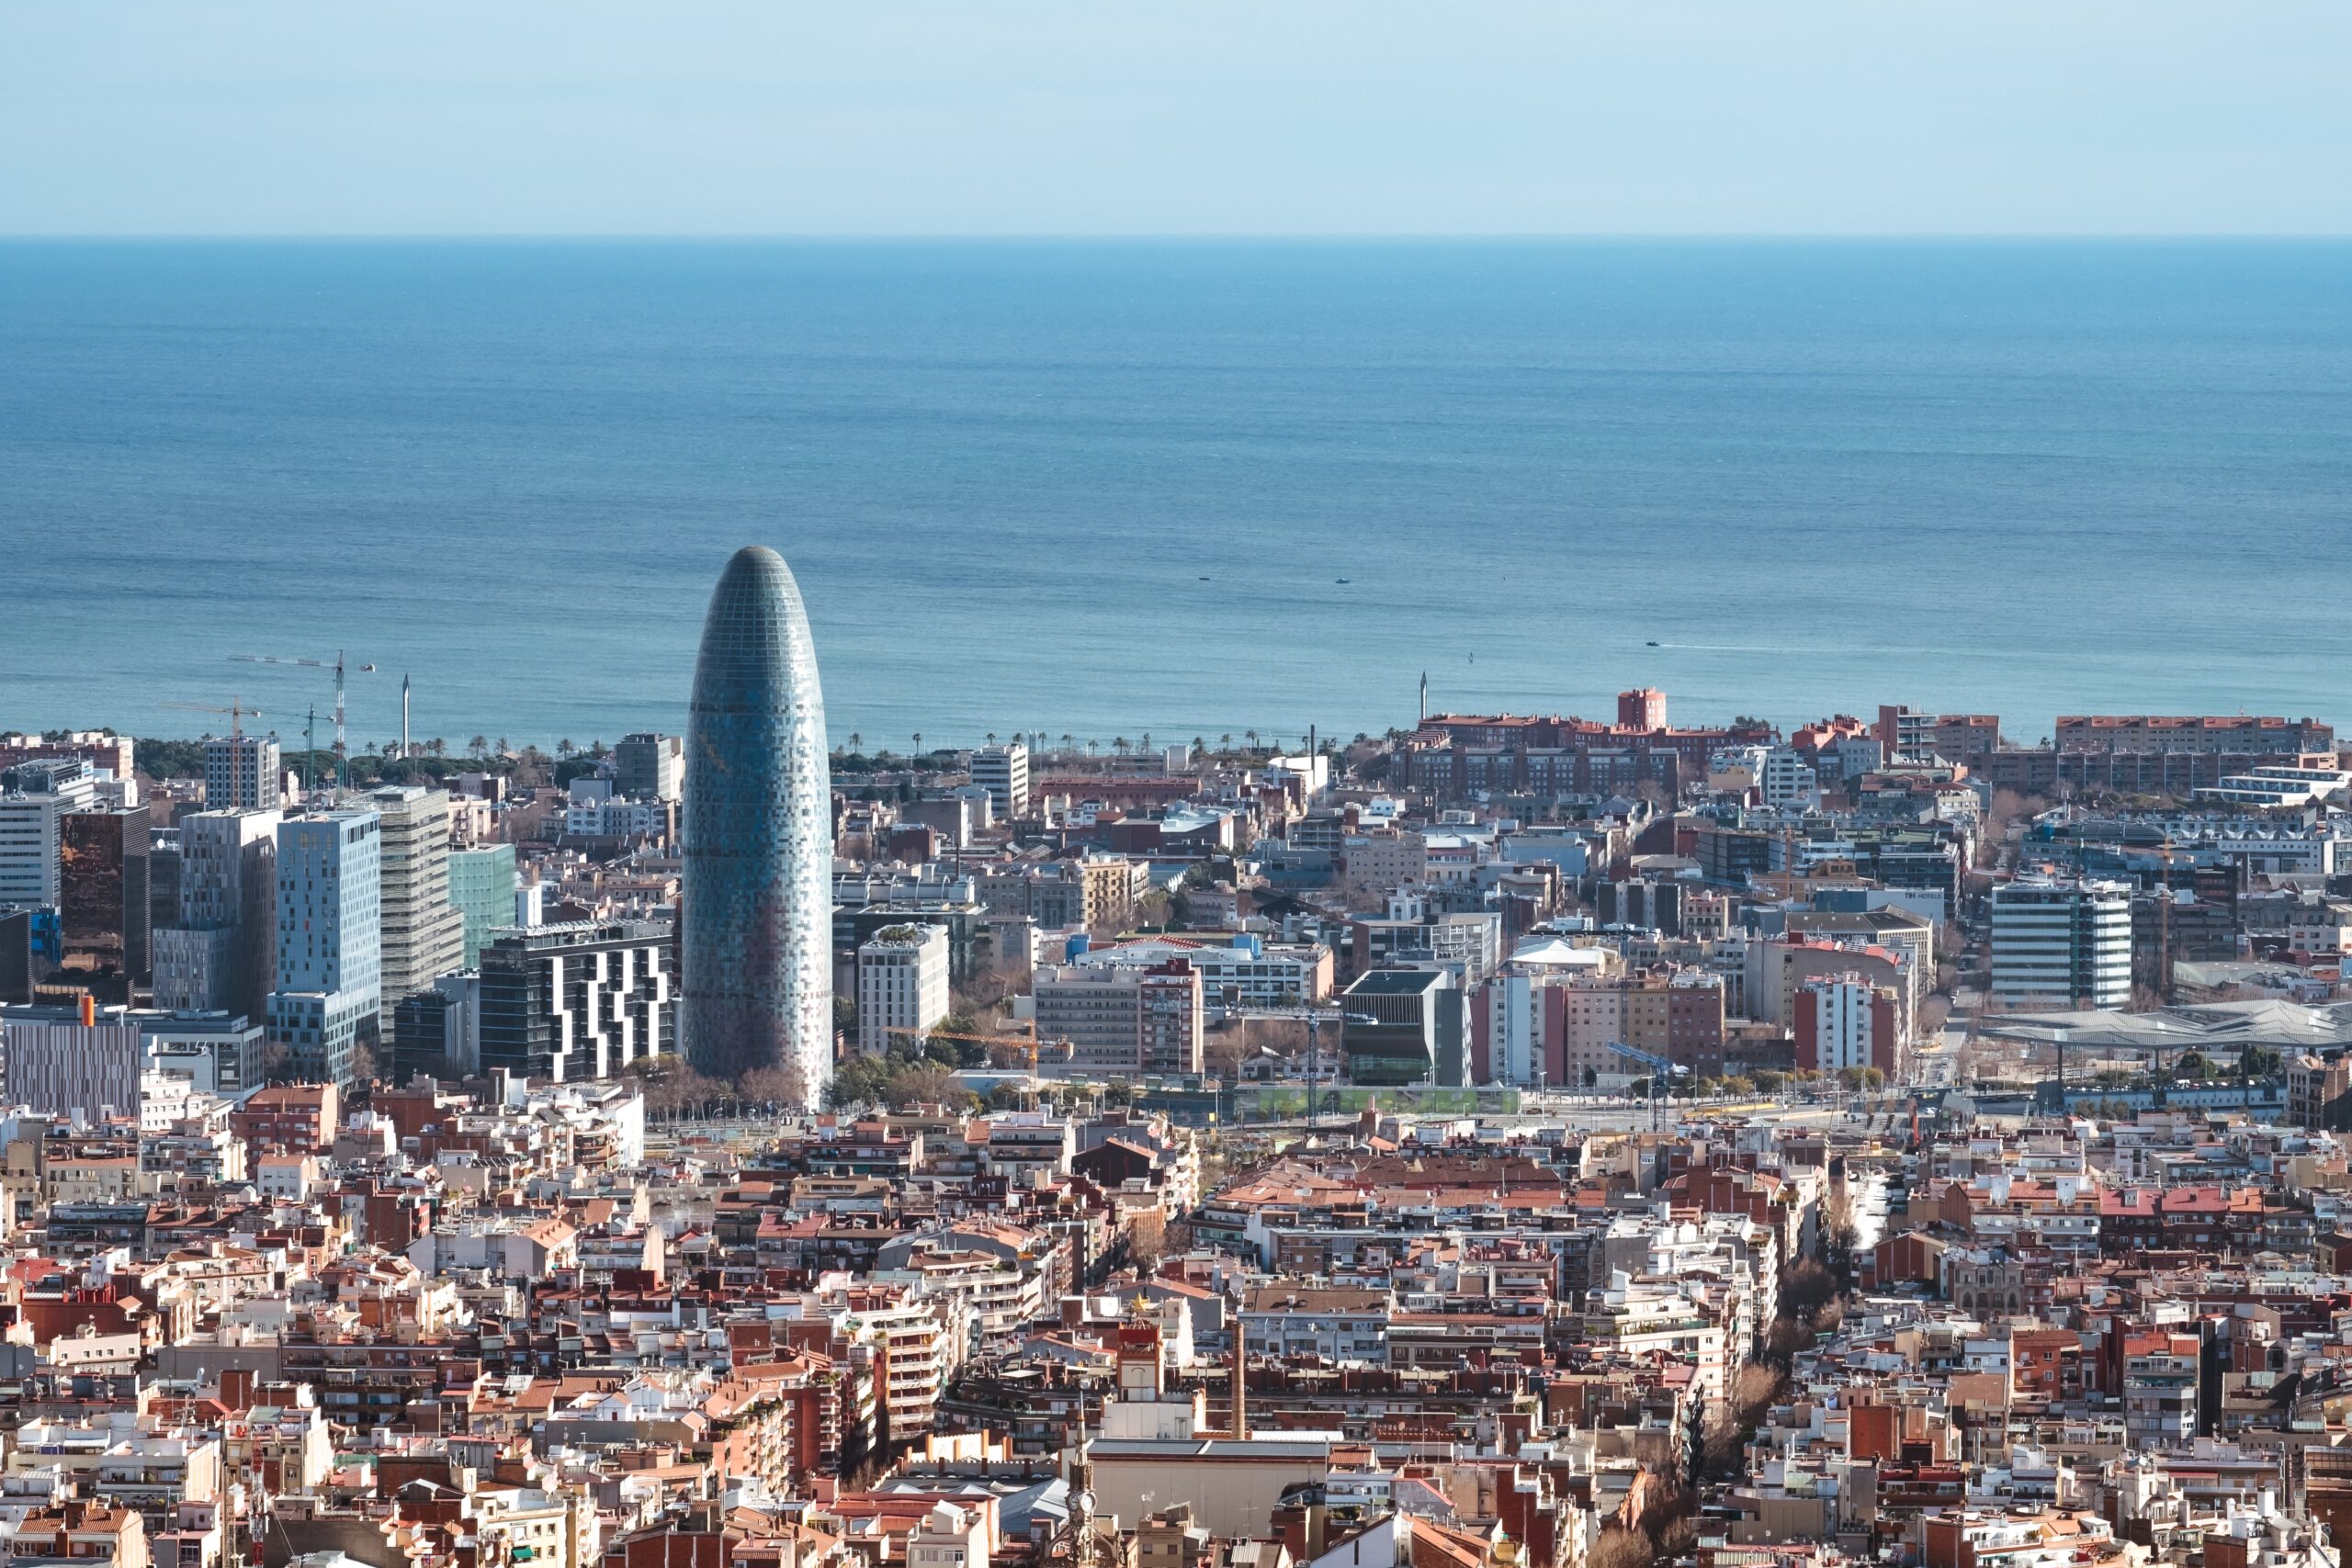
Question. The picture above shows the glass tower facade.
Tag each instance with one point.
(756, 933)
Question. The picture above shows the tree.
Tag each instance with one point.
(477, 744)
(502, 747)
(1250, 736)
(1805, 1287)
(1729, 1422)
(1225, 741)
(991, 736)
(918, 742)
(1620, 1548)
(856, 743)
(439, 747)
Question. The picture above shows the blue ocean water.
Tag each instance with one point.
(1106, 488)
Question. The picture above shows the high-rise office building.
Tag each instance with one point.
(328, 1000)
(648, 766)
(103, 900)
(218, 951)
(34, 796)
(1003, 772)
(482, 885)
(756, 937)
(2062, 943)
(243, 772)
(422, 934)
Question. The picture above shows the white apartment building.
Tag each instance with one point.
(1003, 772)
(1787, 779)
(902, 984)
(2065, 945)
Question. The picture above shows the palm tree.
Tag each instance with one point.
(1093, 746)
(918, 742)
(856, 742)
(1200, 742)
(502, 747)
(476, 743)
(1250, 736)
(440, 746)
(1119, 743)
(1066, 739)
(1225, 740)
(991, 736)
(563, 747)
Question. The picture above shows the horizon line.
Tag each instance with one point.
(1186, 237)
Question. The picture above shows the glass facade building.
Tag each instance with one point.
(756, 933)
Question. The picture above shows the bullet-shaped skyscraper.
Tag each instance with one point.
(755, 937)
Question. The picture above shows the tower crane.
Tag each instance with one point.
(236, 710)
(341, 757)
(1663, 1072)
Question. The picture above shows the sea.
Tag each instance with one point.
(1181, 490)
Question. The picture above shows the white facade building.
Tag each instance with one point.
(902, 984)
(2062, 944)
(31, 829)
(421, 935)
(1003, 772)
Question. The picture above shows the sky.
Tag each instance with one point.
(1162, 117)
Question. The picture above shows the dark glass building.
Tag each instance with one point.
(104, 906)
(756, 933)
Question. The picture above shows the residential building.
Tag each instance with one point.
(1003, 772)
(902, 984)
(649, 766)
(1843, 1020)
(1169, 1023)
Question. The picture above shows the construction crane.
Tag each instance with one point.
(1663, 1072)
(236, 710)
(1027, 1042)
(1315, 1018)
(342, 756)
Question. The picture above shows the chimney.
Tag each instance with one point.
(89, 1012)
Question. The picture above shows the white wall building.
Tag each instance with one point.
(2062, 944)
(1003, 772)
(30, 830)
(902, 984)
